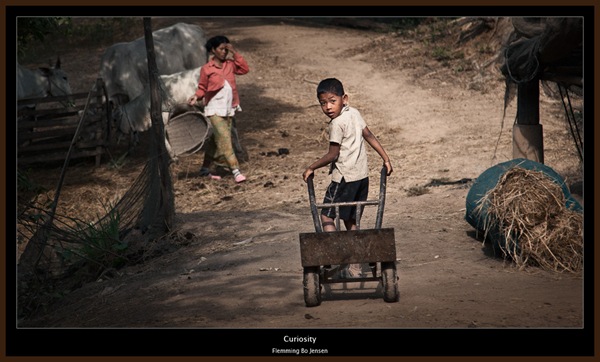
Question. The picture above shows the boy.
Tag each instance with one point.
(347, 156)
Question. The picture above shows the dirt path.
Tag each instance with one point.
(242, 268)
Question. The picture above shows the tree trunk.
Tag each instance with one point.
(527, 131)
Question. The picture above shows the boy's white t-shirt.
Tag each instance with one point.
(346, 130)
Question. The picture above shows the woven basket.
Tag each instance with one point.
(187, 132)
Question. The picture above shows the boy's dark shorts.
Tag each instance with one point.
(345, 192)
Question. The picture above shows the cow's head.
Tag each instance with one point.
(58, 82)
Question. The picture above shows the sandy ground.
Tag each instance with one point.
(239, 277)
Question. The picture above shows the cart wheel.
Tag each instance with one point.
(389, 279)
(312, 287)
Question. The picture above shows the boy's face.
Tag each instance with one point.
(332, 104)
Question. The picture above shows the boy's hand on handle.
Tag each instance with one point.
(307, 173)
(388, 167)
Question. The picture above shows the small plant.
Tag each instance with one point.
(438, 29)
(402, 24)
(486, 49)
(441, 54)
(119, 162)
(29, 194)
(97, 245)
(26, 184)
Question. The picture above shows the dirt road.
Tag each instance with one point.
(239, 277)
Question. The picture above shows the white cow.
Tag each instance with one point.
(134, 116)
(42, 82)
(124, 66)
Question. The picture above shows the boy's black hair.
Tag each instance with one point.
(214, 42)
(330, 85)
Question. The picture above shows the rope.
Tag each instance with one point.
(571, 120)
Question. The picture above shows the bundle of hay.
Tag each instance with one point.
(527, 208)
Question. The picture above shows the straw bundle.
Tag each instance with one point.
(527, 209)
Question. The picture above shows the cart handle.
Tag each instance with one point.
(313, 204)
(382, 187)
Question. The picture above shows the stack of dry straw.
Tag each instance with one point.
(528, 209)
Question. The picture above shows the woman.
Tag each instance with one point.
(218, 91)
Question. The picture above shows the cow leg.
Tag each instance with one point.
(134, 139)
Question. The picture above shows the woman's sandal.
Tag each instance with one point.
(210, 175)
(213, 177)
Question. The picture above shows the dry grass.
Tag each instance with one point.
(528, 209)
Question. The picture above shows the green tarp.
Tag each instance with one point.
(488, 181)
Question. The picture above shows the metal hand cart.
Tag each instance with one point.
(323, 253)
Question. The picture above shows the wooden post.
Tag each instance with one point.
(527, 131)
(167, 203)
